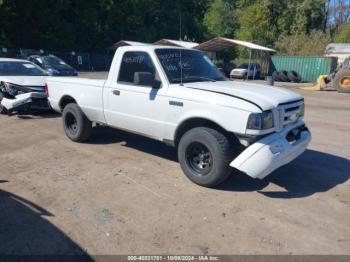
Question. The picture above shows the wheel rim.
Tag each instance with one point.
(71, 123)
(199, 158)
(345, 82)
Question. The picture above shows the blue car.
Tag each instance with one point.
(53, 65)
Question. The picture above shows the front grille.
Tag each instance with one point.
(289, 113)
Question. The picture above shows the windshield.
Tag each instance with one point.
(251, 66)
(19, 68)
(195, 66)
(52, 61)
(243, 66)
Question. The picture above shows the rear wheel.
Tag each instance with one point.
(76, 125)
(341, 81)
(204, 155)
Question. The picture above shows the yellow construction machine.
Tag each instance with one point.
(339, 80)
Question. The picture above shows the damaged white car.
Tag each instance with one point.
(22, 86)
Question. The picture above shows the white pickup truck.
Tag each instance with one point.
(178, 96)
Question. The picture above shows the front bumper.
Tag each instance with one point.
(273, 151)
(237, 75)
(27, 101)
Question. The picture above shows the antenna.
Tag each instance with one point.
(180, 26)
(180, 31)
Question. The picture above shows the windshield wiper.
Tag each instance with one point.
(205, 78)
(194, 79)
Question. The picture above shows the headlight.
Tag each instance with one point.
(11, 89)
(260, 121)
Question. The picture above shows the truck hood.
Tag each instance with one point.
(264, 96)
(25, 80)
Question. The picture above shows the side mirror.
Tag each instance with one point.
(146, 79)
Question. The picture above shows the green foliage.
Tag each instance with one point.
(267, 21)
(90, 25)
(344, 34)
(313, 43)
(294, 27)
(309, 15)
(255, 26)
(221, 18)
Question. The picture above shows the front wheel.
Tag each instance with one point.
(204, 155)
(76, 125)
(341, 81)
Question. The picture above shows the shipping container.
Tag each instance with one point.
(308, 67)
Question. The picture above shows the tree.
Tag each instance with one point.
(309, 15)
(313, 43)
(90, 25)
(344, 34)
(255, 26)
(221, 18)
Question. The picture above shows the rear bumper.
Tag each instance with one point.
(32, 100)
(272, 152)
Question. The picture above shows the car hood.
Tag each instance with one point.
(264, 96)
(25, 80)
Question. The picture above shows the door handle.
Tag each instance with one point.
(116, 92)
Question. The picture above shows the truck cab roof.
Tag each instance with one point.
(151, 47)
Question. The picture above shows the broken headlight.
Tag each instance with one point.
(260, 121)
(10, 89)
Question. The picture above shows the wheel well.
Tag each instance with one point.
(65, 101)
(202, 122)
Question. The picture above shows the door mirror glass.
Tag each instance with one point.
(146, 79)
(143, 78)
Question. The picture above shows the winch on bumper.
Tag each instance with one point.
(273, 151)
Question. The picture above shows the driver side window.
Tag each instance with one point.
(135, 62)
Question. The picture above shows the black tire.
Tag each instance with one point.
(275, 76)
(283, 76)
(210, 167)
(76, 125)
(339, 83)
(294, 77)
(3, 110)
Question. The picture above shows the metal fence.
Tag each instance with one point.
(79, 60)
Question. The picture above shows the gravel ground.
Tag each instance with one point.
(125, 194)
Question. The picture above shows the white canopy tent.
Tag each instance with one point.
(221, 43)
(177, 43)
(126, 43)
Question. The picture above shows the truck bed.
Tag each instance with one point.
(93, 75)
(91, 100)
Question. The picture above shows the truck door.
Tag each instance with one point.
(136, 100)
